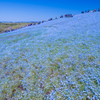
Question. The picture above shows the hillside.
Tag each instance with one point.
(56, 60)
(10, 26)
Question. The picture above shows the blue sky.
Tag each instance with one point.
(38, 10)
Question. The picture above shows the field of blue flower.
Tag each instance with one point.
(56, 60)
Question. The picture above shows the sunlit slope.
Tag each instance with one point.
(56, 59)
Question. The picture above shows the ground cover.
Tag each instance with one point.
(56, 60)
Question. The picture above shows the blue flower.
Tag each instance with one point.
(99, 81)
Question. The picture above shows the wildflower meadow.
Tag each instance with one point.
(55, 60)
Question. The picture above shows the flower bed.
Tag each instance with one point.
(57, 60)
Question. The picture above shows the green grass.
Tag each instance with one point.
(5, 26)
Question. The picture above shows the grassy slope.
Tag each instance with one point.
(58, 59)
(4, 26)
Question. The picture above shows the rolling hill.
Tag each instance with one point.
(56, 60)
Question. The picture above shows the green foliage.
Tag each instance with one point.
(25, 60)
(5, 65)
(64, 40)
(4, 26)
(91, 58)
(66, 47)
(82, 87)
(49, 45)
(59, 60)
(55, 65)
(39, 49)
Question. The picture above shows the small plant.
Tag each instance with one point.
(49, 45)
(82, 87)
(5, 65)
(91, 58)
(25, 60)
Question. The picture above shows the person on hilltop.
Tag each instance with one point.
(43, 21)
(91, 10)
(95, 10)
(39, 22)
(82, 12)
(61, 16)
(50, 19)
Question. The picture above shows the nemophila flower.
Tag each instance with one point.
(45, 41)
(99, 82)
